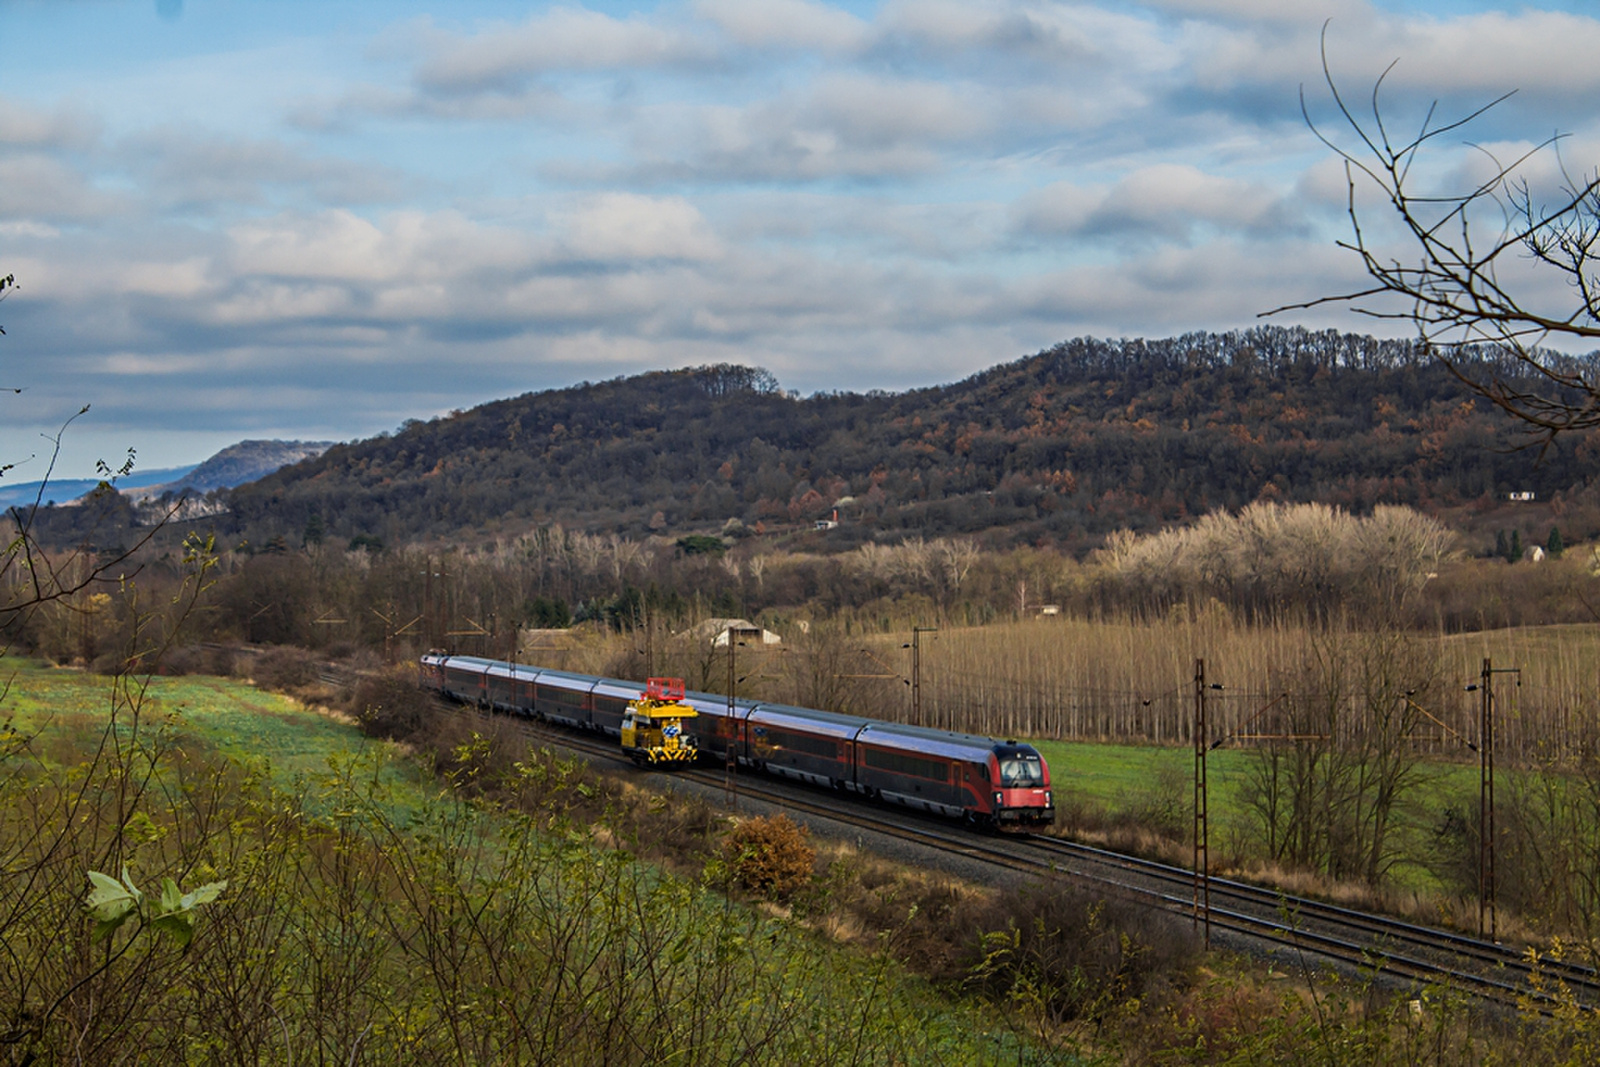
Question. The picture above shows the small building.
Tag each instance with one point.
(717, 632)
(1522, 496)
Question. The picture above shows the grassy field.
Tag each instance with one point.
(371, 917)
(1152, 787)
(224, 716)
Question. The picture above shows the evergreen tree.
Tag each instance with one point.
(1502, 547)
(1554, 545)
(1516, 546)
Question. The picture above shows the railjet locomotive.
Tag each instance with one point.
(988, 783)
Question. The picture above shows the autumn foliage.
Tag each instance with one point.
(770, 856)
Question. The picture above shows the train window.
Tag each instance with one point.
(899, 763)
(814, 746)
(1021, 772)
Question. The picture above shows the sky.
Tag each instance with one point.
(235, 219)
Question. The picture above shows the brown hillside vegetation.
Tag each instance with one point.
(1062, 447)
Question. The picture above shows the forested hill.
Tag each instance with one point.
(1062, 446)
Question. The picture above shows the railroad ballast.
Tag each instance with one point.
(986, 782)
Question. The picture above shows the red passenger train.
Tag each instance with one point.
(988, 783)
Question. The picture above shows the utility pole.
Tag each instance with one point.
(730, 766)
(1202, 830)
(1486, 797)
(1487, 903)
(427, 605)
(392, 630)
(916, 670)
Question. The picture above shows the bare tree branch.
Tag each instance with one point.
(1473, 313)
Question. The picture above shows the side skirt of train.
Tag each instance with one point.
(986, 782)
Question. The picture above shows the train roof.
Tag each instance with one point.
(568, 679)
(504, 669)
(477, 663)
(933, 742)
(830, 723)
(717, 704)
(617, 687)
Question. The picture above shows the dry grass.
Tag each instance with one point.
(1076, 679)
(1108, 680)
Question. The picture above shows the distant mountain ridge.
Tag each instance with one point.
(236, 465)
(64, 489)
(1059, 447)
(232, 466)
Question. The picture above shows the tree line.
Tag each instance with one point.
(1060, 448)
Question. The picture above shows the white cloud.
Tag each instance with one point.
(1534, 51)
(622, 226)
(1167, 201)
(25, 229)
(503, 57)
(39, 187)
(339, 244)
(846, 124)
(259, 302)
(187, 167)
(141, 364)
(1315, 12)
(1041, 30)
(480, 207)
(94, 279)
(866, 110)
(1543, 54)
(21, 124)
(787, 24)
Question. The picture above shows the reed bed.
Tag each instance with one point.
(1082, 680)
(1078, 679)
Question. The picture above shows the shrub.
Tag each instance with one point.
(391, 705)
(284, 668)
(184, 659)
(1059, 952)
(770, 856)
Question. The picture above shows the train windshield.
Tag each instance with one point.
(1021, 772)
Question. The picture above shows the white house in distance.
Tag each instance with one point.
(743, 630)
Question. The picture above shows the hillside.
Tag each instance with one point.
(237, 464)
(1062, 446)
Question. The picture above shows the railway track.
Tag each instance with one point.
(1262, 917)
(1373, 944)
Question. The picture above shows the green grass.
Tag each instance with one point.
(221, 714)
(1125, 781)
(465, 856)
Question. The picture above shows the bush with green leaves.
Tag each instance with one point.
(112, 902)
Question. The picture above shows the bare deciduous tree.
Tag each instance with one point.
(1465, 279)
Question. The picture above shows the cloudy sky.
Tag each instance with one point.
(319, 218)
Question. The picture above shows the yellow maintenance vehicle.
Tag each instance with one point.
(653, 727)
